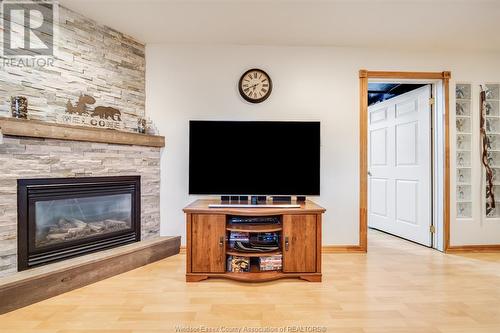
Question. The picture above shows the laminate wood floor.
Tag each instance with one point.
(398, 287)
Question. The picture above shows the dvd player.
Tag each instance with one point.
(254, 219)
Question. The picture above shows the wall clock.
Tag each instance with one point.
(255, 85)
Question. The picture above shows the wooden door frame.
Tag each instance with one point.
(364, 76)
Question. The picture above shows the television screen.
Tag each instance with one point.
(254, 158)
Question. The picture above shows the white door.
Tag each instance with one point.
(399, 180)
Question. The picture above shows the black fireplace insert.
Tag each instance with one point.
(59, 218)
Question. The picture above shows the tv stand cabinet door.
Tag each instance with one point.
(208, 245)
(299, 243)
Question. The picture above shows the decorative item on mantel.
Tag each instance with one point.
(151, 128)
(146, 126)
(141, 126)
(19, 107)
(100, 116)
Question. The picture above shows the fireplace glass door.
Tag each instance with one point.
(73, 219)
(59, 218)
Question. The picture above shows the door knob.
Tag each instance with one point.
(287, 243)
(369, 173)
(221, 241)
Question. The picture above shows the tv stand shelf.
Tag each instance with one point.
(207, 241)
(233, 252)
(242, 227)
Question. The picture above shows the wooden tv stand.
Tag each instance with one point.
(207, 245)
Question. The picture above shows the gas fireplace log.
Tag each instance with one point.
(115, 224)
(79, 231)
(63, 224)
(97, 226)
(77, 223)
(55, 237)
(71, 228)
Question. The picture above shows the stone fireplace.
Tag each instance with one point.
(48, 161)
(59, 218)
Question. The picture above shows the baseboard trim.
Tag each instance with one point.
(34, 285)
(343, 249)
(473, 248)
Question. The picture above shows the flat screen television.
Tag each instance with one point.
(254, 157)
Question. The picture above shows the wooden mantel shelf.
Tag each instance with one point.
(39, 129)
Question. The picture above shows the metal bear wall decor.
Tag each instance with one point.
(100, 116)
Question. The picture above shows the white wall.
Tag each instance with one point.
(185, 82)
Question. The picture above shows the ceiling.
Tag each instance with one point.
(379, 92)
(403, 24)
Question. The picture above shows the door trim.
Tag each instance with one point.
(364, 76)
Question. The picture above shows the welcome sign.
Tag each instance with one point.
(100, 116)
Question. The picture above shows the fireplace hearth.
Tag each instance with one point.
(59, 218)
